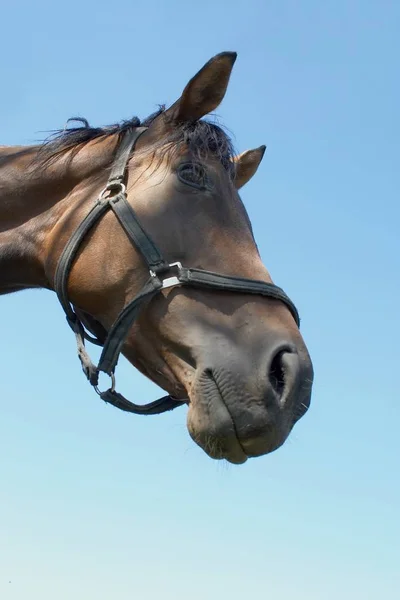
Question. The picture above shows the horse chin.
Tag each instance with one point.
(204, 417)
(234, 425)
(213, 415)
(219, 439)
(212, 427)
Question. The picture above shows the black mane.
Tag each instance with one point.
(201, 137)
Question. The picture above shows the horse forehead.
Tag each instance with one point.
(169, 154)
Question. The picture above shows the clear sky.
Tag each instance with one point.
(97, 504)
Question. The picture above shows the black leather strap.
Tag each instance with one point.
(152, 408)
(68, 256)
(125, 148)
(98, 333)
(143, 242)
(119, 331)
(208, 279)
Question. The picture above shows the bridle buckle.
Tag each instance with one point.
(169, 281)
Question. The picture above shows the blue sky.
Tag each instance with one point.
(97, 504)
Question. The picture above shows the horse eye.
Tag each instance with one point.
(193, 174)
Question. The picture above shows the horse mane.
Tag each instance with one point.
(202, 138)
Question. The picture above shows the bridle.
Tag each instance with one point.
(162, 275)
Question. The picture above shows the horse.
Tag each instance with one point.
(140, 230)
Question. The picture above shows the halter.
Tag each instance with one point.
(163, 275)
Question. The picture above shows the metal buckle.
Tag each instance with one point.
(111, 389)
(112, 186)
(169, 281)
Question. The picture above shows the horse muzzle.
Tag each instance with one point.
(239, 410)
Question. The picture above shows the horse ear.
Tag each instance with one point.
(246, 164)
(206, 90)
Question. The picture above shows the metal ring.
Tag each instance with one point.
(113, 186)
(111, 389)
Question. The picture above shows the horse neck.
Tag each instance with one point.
(32, 199)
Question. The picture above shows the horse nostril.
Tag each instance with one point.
(277, 373)
(284, 372)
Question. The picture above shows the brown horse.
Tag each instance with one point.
(235, 356)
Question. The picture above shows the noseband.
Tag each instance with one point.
(163, 275)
